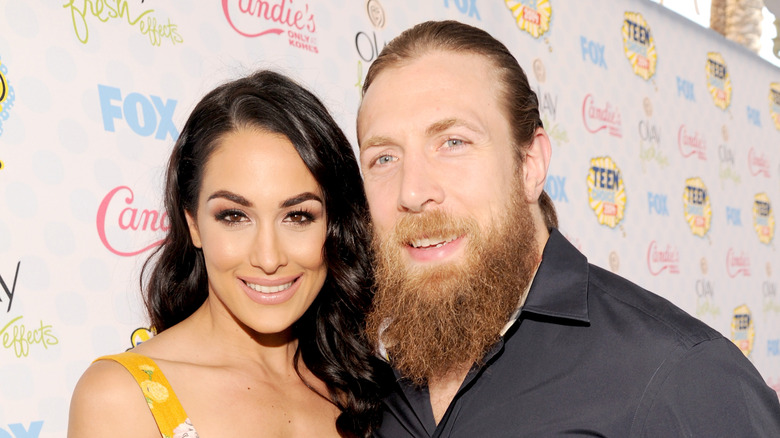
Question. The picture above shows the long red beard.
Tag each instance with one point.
(434, 320)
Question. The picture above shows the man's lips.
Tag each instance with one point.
(435, 250)
(431, 242)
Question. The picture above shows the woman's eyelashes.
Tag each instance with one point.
(231, 216)
(300, 218)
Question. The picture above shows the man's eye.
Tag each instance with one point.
(453, 142)
(385, 159)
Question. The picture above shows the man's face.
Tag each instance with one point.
(433, 136)
(454, 242)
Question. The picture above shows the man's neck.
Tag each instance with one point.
(442, 390)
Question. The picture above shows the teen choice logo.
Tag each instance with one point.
(532, 16)
(696, 205)
(763, 218)
(718, 81)
(140, 335)
(606, 192)
(7, 96)
(3, 87)
(774, 103)
(638, 45)
(742, 330)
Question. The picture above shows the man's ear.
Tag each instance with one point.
(537, 160)
(194, 232)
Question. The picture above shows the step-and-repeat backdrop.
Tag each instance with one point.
(666, 154)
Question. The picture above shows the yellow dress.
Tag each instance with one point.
(163, 403)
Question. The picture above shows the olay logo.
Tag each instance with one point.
(690, 144)
(737, 264)
(659, 260)
(758, 163)
(119, 221)
(598, 118)
(250, 17)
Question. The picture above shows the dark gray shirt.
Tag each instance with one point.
(593, 354)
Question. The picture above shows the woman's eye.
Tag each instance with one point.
(231, 216)
(299, 217)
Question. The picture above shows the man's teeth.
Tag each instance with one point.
(435, 243)
(269, 289)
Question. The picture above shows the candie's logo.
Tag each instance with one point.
(737, 263)
(606, 192)
(691, 143)
(119, 223)
(638, 45)
(256, 18)
(718, 81)
(774, 103)
(662, 259)
(599, 117)
(763, 218)
(7, 97)
(532, 16)
(743, 332)
(696, 205)
(758, 164)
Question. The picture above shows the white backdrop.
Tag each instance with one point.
(666, 154)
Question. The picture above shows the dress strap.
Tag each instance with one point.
(162, 401)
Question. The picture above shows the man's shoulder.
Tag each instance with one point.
(647, 309)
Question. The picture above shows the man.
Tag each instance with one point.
(494, 324)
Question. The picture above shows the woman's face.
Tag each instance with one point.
(261, 224)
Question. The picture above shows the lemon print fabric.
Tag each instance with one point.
(162, 401)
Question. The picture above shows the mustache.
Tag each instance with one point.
(430, 224)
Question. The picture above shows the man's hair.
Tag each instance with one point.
(520, 103)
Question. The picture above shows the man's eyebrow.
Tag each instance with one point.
(230, 196)
(444, 124)
(433, 129)
(377, 140)
(297, 199)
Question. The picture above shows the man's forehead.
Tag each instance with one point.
(421, 81)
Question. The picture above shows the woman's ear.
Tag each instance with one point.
(194, 232)
(537, 160)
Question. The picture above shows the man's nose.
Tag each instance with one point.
(420, 185)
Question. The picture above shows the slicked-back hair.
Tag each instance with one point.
(520, 103)
(330, 336)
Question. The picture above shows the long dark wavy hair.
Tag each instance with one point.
(330, 333)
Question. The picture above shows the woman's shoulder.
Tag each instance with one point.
(107, 401)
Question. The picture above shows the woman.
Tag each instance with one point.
(258, 293)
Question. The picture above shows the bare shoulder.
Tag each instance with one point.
(108, 402)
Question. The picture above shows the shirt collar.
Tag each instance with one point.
(560, 287)
(516, 313)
